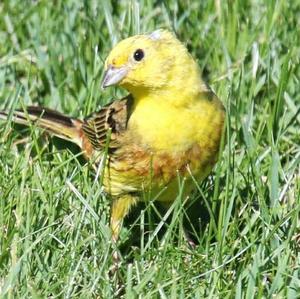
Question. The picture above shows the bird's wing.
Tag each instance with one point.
(105, 127)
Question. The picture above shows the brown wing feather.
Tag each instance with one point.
(110, 120)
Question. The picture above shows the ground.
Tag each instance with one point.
(55, 240)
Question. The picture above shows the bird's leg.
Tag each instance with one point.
(188, 238)
(120, 208)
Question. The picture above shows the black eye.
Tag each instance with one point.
(138, 55)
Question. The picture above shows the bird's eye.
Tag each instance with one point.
(138, 55)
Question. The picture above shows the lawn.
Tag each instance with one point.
(244, 218)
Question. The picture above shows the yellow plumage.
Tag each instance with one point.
(175, 124)
(170, 124)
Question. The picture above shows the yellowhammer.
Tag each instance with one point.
(170, 123)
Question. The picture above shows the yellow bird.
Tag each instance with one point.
(170, 123)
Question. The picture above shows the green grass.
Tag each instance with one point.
(55, 240)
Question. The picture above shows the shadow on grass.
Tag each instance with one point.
(195, 222)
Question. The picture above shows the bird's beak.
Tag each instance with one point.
(113, 75)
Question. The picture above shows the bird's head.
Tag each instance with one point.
(148, 62)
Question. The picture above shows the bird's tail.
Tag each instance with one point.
(52, 121)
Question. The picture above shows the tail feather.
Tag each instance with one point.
(52, 121)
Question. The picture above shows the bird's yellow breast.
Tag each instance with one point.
(161, 126)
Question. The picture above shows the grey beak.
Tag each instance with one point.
(113, 75)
